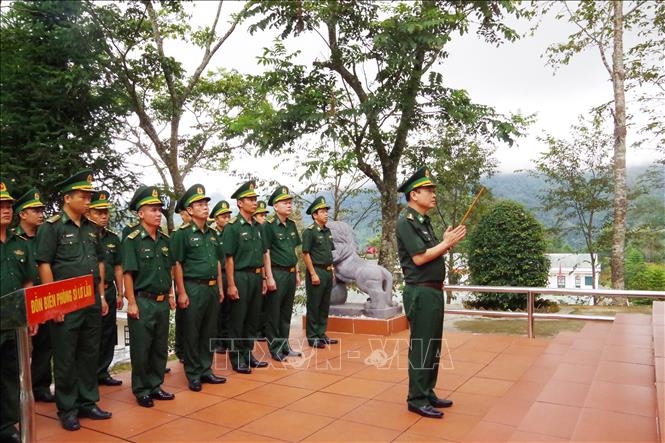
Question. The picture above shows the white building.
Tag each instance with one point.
(573, 271)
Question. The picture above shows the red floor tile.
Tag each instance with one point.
(274, 395)
(309, 380)
(453, 426)
(232, 413)
(617, 372)
(357, 387)
(509, 411)
(628, 354)
(606, 426)
(326, 404)
(575, 373)
(186, 402)
(625, 398)
(530, 437)
(183, 429)
(564, 393)
(130, 422)
(382, 414)
(550, 419)
(486, 386)
(346, 431)
(473, 404)
(287, 425)
(489, 432)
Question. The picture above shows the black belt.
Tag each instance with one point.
(201, 281)
(152, 295)
(434, 284)
(251, 270)
(291, 269)
(328, 267)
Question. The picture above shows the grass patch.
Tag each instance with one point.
(612, 310)
(121, 367)
(543, 328)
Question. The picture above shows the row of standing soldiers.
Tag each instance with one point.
(230, 281)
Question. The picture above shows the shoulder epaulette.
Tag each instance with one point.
(133, 225)
(21, 236)
(409, 216)
(111, 232)
(312, 226)
(53, 219)
(163, 233)
(134, 234)
(185, 226)
(271, 219)
(234, 219)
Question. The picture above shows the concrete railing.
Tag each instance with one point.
(531, 293)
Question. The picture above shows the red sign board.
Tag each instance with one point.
(49, 300)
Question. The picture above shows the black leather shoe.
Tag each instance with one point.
(243, 369)
(110, 381)
(70, 422)
(426, 411)
(254, 363)
(213, 379)
(95, 413)
(167, 370)
(292, 353)
(195, 385)
(145, 401)
(44, 396)
(316, 343)
(160, 394)
(441, 403)
(278, 357)
(330, 341)
(11, 437)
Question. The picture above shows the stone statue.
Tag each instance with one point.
(369, 277)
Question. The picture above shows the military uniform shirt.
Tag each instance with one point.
(112, 254)
(15, 263)
(414, 236)
(148, 260)
(196, 251)
(71, 250)
(31, 245)
(282, 239)
(244, 243)
(318, 242)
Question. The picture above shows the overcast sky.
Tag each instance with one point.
(512, 77)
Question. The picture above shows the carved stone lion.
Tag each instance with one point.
(369, 277)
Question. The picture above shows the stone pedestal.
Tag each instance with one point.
(364, 325)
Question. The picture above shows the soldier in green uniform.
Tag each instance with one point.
(198, 279)
(221, 213)
(421, 258)
(260, 216)
(317, 247)
(30, 211)
(68, 245)
(245, 273)
(113, 286)
(186, 218)
(16, 271)
(281, 239)
(147, 275)
(261, 212)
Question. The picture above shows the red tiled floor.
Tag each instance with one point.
(326, 404)
(473, 404)
(564, 393)
(287, 425)
(617, 372)
(382, 414)
(575, 373)
(550, 419)
(489, 432)
(625, 398)
(130, 422)
(357, 387)
(628, 354)
(346, 431)
(232, 413)
(309, 380)
(186, 402)
(274, 395)
(486, 386)
(453, 426)
(182, 430)
(509, 411)
(606, 426)
(238, 436)
(530, 437)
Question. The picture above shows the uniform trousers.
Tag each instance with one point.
(278, 306)
(318, 304)
(424, 310)
(149, 336)
(9, 389)
(109, 333)
(75, 359)
(245, 316)
(40, 361)
(199, 324)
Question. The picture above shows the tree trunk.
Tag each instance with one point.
(389, 214)
(618, 76)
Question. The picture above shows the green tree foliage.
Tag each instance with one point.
(578, 174)
(59, 109)
(507, 248)
(372, 85)
(164, 96)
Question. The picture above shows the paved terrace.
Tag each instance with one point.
(598, 385)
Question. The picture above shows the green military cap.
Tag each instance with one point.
(100, 200)
(145, 195)
(421, 178)
(318, 203)
(194, 194)
(4, 193)
(247, 189)
(281, 193)
(30, 199)
(261, 208)
(220, 208)
(81, 181)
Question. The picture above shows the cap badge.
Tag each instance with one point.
(154, 193)
(89, 178)
(199, 190)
